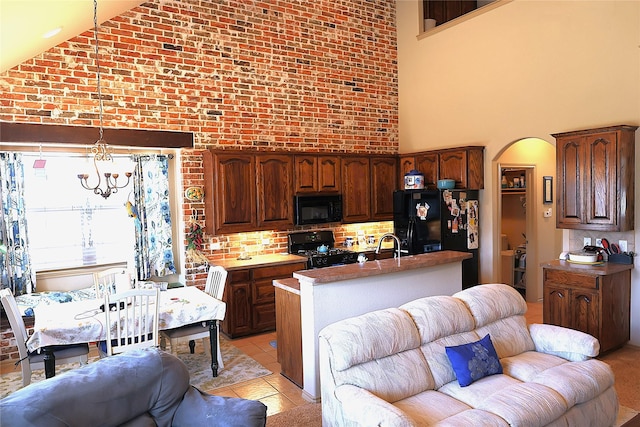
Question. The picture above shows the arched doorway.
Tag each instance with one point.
(541, 241)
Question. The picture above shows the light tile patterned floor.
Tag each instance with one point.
(275, 391)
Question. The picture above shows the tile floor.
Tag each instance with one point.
(277, 392)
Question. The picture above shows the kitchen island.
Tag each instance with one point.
(327, 295)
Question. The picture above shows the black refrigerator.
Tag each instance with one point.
(433, 220)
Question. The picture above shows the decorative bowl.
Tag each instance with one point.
(446, 184)
(583, 257)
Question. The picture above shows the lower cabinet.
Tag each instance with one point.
(289, 327)
(250, 299)
(595, 301)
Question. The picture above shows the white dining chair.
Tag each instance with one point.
(216, 280)
(34, 361)
(131, 319)
(111, 280)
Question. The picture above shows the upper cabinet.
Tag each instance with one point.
(317, 174)
(383, 184)
(230, 192)
(596, 176)
(368, 183)
(356, 189)
(275, 191)
(246, 191)
(464, 165)
(254, 190)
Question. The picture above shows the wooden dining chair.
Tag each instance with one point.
(34, 361)
(110, 280)
(216, 280)
(131, 319)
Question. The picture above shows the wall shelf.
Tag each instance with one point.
(514, 191)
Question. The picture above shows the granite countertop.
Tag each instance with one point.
(594, 270)
(289, 285)
(259, 261)
(375, 268)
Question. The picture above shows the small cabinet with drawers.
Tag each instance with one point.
(250, 298)
(592, 299)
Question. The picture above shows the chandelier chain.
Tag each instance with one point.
(95, 37)
(100, 150)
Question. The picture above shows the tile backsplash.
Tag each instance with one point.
(576, 238)
(230, 246)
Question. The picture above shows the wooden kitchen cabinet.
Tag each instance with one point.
(317, 174)
(356, 189)
(383, 184)
(275, 189)
(428, 164)
(368, 184)
(592, 299)
(234, 193)
(289, 329)
(406, 164)
(247, 191)
(465, 165)
(596, 177)
(250, 298)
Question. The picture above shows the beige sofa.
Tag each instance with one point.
(390, 367)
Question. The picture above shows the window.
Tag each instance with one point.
(437, 13)
(70, 226)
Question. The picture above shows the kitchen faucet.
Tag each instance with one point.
(384, 236)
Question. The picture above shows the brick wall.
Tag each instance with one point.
(291, 75)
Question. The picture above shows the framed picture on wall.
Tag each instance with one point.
(547, 189)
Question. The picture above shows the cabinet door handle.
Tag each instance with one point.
(560, 294)
(585, 298)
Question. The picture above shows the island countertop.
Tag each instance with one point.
(378, 267)
(259, 261)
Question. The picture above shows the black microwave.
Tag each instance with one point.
(318, 209)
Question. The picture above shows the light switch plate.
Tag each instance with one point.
(587, 241)
(215, 246)
(599, 242)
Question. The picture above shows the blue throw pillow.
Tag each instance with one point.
(474, 360)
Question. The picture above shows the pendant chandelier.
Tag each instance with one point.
(101, 150)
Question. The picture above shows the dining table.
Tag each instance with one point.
(83, 321)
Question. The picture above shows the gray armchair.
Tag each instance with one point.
(146, 387)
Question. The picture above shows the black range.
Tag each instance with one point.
(318, 247)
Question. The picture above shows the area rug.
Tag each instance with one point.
(310, 415)
(238, 367)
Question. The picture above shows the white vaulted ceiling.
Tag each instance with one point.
(24, 22)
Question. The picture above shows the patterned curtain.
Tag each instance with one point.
(15, 270)
(153, 251)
